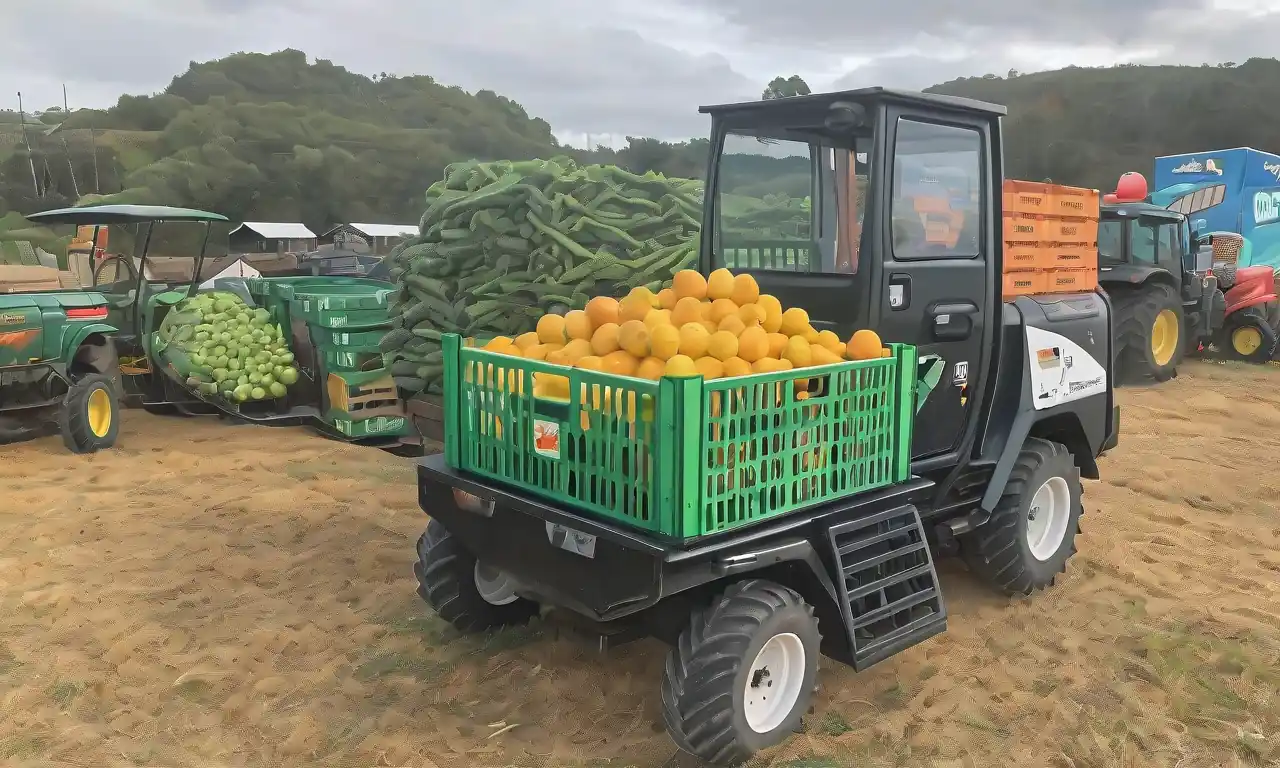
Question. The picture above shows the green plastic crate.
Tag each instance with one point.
(378, 426)
(335, 339)
(344, 303)
(681, 457)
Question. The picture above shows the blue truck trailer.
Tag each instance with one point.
(1226, 190)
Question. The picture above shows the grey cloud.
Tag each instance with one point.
(611, 67)
(580, 67)
(858, 28)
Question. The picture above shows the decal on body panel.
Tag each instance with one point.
(1061, 370)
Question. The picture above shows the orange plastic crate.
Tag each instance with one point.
(1075, 201)
(1024, 228)
(1071, 280)
(1027, 197)
(1071, 230)
(1024, 283)
(1022, 256)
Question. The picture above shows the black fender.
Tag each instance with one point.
(1086, 426)
(1136, 275)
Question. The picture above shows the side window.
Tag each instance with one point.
(1142, 243)
(1168, 249)
(937, 191)
(1111, 241)
(767, 219)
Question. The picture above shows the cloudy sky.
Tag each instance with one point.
(608, 68)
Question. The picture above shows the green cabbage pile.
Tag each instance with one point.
(223, 346)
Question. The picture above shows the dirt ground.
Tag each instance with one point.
(212, 595)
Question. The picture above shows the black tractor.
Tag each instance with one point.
(1165, 302)
(1013, 407)
(1176, 292)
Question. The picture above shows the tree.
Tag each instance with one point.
(782, 87)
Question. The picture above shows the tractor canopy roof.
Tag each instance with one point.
(820, 102)
(122, 214)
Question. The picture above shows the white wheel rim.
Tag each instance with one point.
(774, 682)
(494, 585)
(1047, 518)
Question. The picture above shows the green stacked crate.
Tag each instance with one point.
(344, 319)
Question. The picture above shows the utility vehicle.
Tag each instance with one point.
(1020, 407)
(141, 290)
(58, 367)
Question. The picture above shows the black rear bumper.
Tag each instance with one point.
(629, 570)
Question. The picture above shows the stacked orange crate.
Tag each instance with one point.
(1050, 237)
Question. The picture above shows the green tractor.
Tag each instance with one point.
(317, 334)
(58, 368)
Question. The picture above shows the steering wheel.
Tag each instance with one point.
(129, 268)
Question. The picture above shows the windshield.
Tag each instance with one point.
(780, 201)
(171, 253)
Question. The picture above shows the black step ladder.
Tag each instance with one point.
(889, 592)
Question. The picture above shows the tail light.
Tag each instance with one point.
(87, 313)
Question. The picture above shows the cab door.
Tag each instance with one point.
(938, 283)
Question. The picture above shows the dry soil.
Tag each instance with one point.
(210, 595)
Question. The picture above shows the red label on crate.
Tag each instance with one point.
(546, 438)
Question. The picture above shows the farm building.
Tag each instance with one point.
(271, 237)
(379, 237)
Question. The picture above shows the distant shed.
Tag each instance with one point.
(271, 237)
(379, 237)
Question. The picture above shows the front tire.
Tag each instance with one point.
(742, 674)
(90, 417)
(1148, 330)
(1031, 534)
(1246, 336)
(449, 580)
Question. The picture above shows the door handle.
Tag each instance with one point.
(952, 320)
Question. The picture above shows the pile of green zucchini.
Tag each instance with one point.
(503, 243)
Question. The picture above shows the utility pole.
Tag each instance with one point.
(66, 114)
(22, 121)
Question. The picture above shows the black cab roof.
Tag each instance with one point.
(1129, 210)
(823, 100)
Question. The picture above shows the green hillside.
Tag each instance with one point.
(276, 137)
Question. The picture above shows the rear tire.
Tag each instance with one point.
(743, 673)
(1143, 319)
(1032, 532)
(447, 581)
(90, 417)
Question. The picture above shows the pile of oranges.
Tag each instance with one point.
(717, 327)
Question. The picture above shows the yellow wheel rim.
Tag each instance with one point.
(1164, 336)
(1246, 341)
(99, 412)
